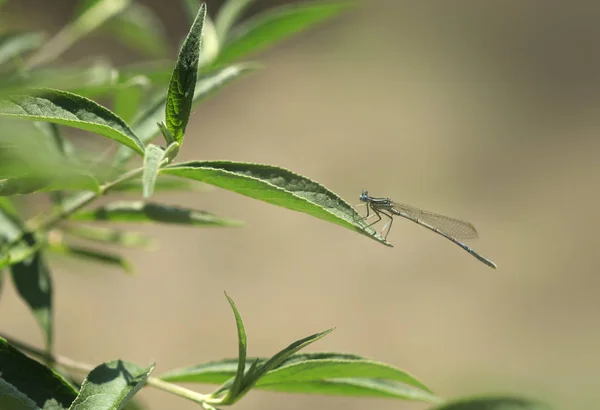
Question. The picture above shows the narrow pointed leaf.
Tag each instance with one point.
(168, 136)
(238, 380)
(26, 383)
(34, 157)
(325, 366)
(145, 123)
(493, 403)
(61, 107)
(354, 388)
(281, 357)
(34, 284)
(153, 159)
(215, 372)
(138, 211)
(228, 15)
(274, 25)
(108, 236)
(276, 186)
(183, 80)
(92, 255)
(111, 386)
(257, 371)
(317, 373)
(128, 97)
(140, 28)
(86, 81)
(15, 44)
(21, 251)
(171, 152)
(89, 20)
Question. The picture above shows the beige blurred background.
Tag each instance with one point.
(484, 111)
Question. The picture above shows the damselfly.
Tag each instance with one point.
(449, 228)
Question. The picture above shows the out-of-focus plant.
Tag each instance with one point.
(39, 97)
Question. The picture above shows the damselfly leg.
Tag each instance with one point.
(388, 225)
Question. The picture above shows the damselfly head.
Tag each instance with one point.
(364, 196)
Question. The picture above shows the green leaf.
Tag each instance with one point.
(28, 384)
(304, 368)
(15, 44)
(34, 284)
(33, 158)
(169, 138)
(257, 371)
(95, 79)
(228, 15)
(493, 403)
(355, 388)
(110, 386)
(109, 236)
(153, 159)
(28, 185)
(10, 228)
(171, 152)
(183, 80)
(158, 71)
(276, 186)
(10, 231)
(93, 255)
(237, 383)
(88, 21)
(145, 124)
(128, 97)
(274, 25)
(7, 206)
(66, 150)
(323, 366)
(139, 211)
(20, 252)
(61, 107)
(21, 186)
(164, 183)
(52, 131)
(86, 80)
(139, 28)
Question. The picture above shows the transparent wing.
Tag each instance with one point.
(453, 227)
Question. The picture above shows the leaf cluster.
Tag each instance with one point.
(41, 101)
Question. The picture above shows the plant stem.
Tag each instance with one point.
(83, 200)
(81, 367)
(176, 390)
(49, 357)
(74, 205)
